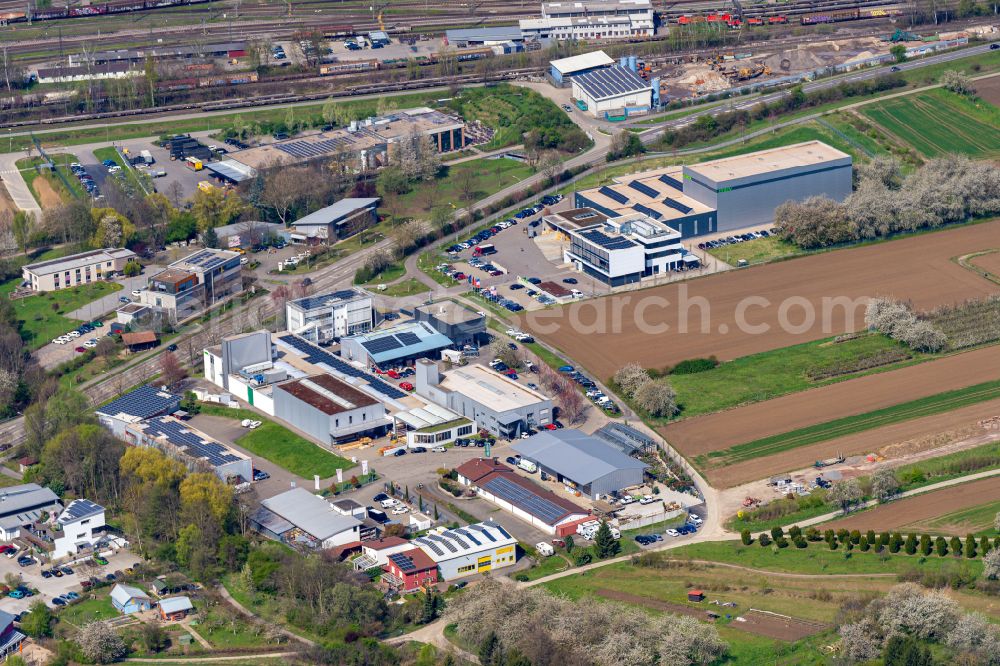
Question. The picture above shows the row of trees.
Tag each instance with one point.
(654, 396)
(942, 191)
(896, 320)
(547, 631)
(909, 613)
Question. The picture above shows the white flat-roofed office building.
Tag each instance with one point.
(475, 548)
(613, 91)
(619, 250)
(335, 222)
(82, 523)
(495, 402)
(745, 189)
(726, 194)
(76, 269)
(325, 317)
(591, 19)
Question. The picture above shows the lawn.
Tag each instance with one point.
(226, 631)
(47, 188)
(408, 287)
(757, 251)
(427, 261)
(937, 122)
(463, 183)
(87, 610)
(393, 272)
(821, 432)
(282, 446)
(546, 567)
(41, 317)
(767, 375)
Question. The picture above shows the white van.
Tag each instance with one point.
(695, 519)
(545, 549)
(590, 525)
(527, 465)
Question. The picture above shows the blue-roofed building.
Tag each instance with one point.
(128, 599)
(613, 92)
(581, 461)
(175, 608)
(336, 222)
(82, 526)
(325, 317)
(10, 637)
(143, 403)
(194, 448)
(464, 551)
(394, 346)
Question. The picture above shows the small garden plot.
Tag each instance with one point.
(773, 625)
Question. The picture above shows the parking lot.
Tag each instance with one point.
(50, 588)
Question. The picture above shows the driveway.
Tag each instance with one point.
(49, 588)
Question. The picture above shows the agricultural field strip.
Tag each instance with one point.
(977, 519)
(822, 432)
(917, 268)
(929, 504)
(850, 398)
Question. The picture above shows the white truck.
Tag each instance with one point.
(147, 157)
(527, 465)
(545, 549)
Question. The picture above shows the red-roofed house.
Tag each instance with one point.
(410, 570)
(471, 471)
(375, 553)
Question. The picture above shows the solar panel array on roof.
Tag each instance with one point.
(444, 542)
(479, 528)
(195, 446)
(647, 211)
(430, 544)
(315, 355)
(468, 536)
(644, 188)
(611, 194)
(455, 535)
(611, 82)
(307, 149)
(78, 509)
(379, 345)
(523, 498)
(402, 562)
(672, 182)
(408, 338)
(502, 531)
(312, 302)
(677, 205)
(607, 242)
(205, 259)
(144, 402)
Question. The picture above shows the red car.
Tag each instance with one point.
(81, 349)
(551, 426)
(393, 374)
(406, 386)
(461, 276)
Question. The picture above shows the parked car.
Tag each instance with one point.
(439, 449)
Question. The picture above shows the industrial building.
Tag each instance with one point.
(458, 323)
(331, 316)
(299, 518)
(394, 346)
(119, 70)
(726, 194)
(582, 462)
(618, 250)
(496, 403)
(432, 425)
(198, 281)
(329, 410)
(198, 451)
(591, 19)
(76, 269)
(483, 36)
(464, 551)
(614, 93)
(341, 220)
(142, 403)
(563, 71)
(540, 508)
(364, 144)
(22, 505)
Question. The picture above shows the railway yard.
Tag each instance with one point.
(770, 282)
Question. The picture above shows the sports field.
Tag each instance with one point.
(938, 122)
(739, 313)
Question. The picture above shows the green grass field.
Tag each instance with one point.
(770, 374)
(282, 446)
(31, 175)
(89, 610)
(976, 520)
(821, 432)
(409, 287)
(461, 184)
(42, 317)
(757, 251)
(937, 122)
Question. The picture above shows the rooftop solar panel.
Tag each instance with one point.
(79, 508)
(611, 82)
(192, 444)
(607, 242)
(656, 215)
(644, 188)
(525, 499)
(430, 544)
(468, 535)
(403, 562)
(502, 531)
(144, 402)
(444, 542)
(408, 338)
(316, 355)
(611, 194)
(379, 345)
(482, 530)
(672, 182)
(313, 302)
(677, 205)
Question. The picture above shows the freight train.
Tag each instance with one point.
(838, 12)
(96, 9)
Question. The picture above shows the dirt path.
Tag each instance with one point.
(221, 589)
(47, 196)
(926, 505)
(206, 660)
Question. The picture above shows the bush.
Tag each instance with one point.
(694, 365)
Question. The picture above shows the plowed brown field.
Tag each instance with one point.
(988, 262)
(919, 269)
(714, 432)
(989, 89)
(856, 444)
(927, 505)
